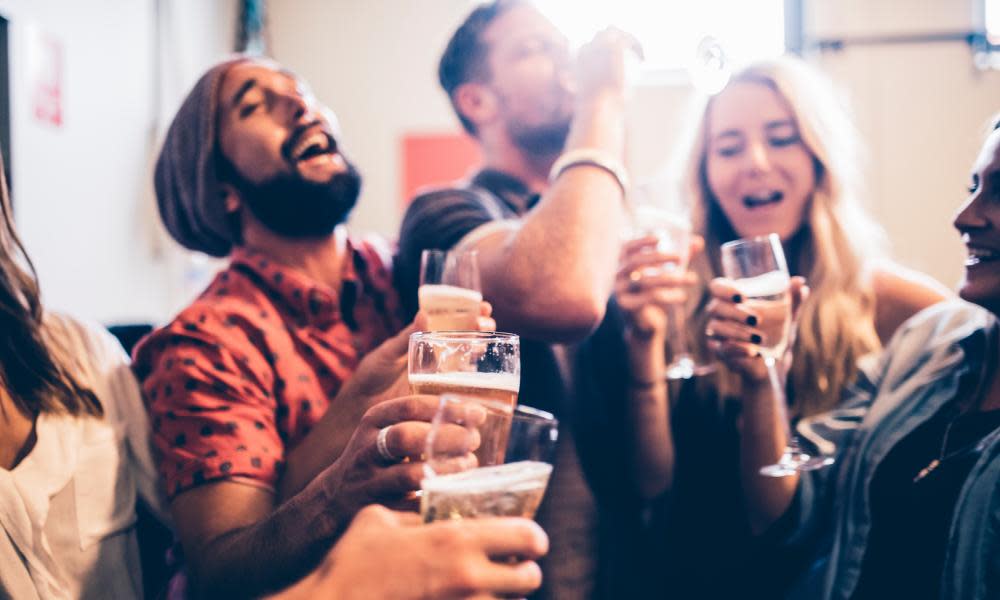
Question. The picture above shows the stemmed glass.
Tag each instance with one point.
(450, 291)
(672, 231)
(510, 469)
(758, 270)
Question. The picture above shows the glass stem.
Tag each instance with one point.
(675, 333)
(778, 385)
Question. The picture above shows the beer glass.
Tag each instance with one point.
(673, 234)
(758, 269)
(478, 363)
(450, 292)
(506, 482)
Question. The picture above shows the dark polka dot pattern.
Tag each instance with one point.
(250, 367)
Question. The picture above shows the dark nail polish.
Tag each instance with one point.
(755, 339)
(737, 298)
(751, 320)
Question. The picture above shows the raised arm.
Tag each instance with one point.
(551, 276)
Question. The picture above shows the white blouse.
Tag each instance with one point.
(68, 508)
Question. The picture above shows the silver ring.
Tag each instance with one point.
(382, 446)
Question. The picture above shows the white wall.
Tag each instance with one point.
(921, 107)
(82, 190)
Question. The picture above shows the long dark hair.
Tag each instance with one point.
(31, 371)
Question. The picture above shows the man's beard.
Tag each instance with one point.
(541, 140)
(293, 207)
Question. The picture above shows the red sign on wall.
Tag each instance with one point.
(435, 159)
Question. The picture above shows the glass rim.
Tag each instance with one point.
(524, 412)
(767, 237)
(465, 336)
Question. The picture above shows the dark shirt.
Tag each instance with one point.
(911, 520)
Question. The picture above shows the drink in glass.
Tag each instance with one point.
(449, 292)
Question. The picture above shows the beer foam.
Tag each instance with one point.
(512, 477)
(507, 382)
(768, 284)
(434, 291)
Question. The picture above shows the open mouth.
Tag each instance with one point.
(978, 255)
(759, 200)
(308, 143)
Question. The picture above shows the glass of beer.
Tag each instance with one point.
(507, 474)
(758, 270)
(477, 363)
(450, 292)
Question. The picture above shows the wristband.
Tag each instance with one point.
(591, 157)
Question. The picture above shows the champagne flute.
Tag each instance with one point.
(512, 464)
(673, 234)
(758, 269)
(450, 291)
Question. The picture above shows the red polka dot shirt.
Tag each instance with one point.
(239, 377)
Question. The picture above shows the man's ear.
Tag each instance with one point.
(230, 199)
(476, 102)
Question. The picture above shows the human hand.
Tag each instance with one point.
(600, 64)
(736, 329)
(383, 461)
(646, 288)
(475, 558)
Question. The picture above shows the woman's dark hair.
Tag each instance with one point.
(31, 371)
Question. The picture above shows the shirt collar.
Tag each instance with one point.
(510, 189)
(317, 303)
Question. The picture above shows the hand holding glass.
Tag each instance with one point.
(758, 270)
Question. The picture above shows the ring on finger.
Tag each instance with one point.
(381, 444)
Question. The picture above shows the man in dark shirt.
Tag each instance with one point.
(544, 212)
(272, 431)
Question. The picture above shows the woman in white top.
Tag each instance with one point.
(74, 447)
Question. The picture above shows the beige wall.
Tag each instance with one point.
(920, 107)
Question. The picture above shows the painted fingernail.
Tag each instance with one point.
(755, 339)
(737, 298)
(751, 320)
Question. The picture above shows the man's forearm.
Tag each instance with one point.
(554, 275)
(271, 554)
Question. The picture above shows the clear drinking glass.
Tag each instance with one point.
(450, 292)
(484, 364)
(758, 269)
(511, 468)
(673, 234)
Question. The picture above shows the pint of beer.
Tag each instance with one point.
(508, 482)
(449, 292)
(449, 308)
(477, 363)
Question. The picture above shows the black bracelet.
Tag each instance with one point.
(641, 386)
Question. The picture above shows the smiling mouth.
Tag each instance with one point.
(978, 255)
(304, 145)
(756, 201)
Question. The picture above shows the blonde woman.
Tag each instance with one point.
(773, 152)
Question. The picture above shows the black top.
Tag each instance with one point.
(911, 520)
(695, 541)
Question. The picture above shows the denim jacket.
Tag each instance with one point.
(917, 374)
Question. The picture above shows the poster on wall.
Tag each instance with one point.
(433, 159)
(45, 71)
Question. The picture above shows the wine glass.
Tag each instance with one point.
(450, 292)
(758, 270)
(672, 229)
(510, 469)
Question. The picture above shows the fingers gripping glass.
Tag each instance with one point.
(673, 235)
(504, 474)
(758, 269)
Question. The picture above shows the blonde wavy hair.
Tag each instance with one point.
(834, 250)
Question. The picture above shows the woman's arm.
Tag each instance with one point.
(901, 293)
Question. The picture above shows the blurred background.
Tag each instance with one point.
(87, 89)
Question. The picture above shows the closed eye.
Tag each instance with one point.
(974, 186)
(248, 109)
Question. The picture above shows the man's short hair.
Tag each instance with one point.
(464, 58)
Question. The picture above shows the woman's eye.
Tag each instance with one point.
(728, 151)
(781, 142)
